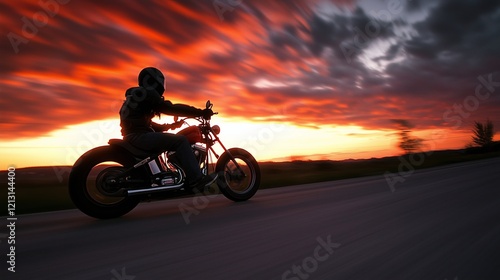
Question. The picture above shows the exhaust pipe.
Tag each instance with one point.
(154, 189)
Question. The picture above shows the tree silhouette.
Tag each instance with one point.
(408, 143)
(483, 134)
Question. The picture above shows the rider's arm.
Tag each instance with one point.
(166, 107)
(159, 127)
(181, 110)
(165, 127)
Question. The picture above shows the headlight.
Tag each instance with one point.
(216, 129)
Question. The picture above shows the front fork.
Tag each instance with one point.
(210, 143)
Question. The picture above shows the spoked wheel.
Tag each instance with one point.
(90, 186)
(238, 182)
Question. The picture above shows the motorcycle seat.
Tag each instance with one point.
(129, 147)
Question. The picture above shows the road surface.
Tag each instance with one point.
(440, 223)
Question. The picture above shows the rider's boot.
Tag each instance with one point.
(203, 182)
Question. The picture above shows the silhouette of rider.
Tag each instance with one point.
(141, 105)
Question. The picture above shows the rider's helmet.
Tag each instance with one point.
(151, 78)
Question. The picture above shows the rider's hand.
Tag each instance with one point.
(164, 127)
(207, 113)
(176, 125)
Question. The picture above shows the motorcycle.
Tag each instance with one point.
(109, 181)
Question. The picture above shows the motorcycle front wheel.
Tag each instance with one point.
(238, 181)
(88, 188)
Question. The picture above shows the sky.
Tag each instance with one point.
(301, 79)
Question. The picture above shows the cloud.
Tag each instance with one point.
(314, 62)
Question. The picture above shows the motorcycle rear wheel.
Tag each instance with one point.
(236, 184)
(87, 183)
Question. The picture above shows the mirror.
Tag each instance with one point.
(208, 105)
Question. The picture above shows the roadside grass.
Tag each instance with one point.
(38, 189)
(303, 172)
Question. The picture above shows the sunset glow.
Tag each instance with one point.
(290, 79)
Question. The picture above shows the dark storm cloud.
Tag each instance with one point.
(428, 69)
(439, 65)
(348, 35)
(453, 46)
(457, 27)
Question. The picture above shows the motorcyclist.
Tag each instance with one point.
(141, 105)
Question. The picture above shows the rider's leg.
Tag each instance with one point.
(158, 142)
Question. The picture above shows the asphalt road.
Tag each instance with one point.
(440, 223)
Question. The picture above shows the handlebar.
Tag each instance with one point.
(208, 105)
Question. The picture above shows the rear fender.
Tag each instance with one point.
(101, 151)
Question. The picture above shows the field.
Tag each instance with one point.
(40, 189)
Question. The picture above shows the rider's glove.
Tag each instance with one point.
(176, 125)
(164, 127)
(207, 114)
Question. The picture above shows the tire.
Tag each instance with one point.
(86, 186)
(230, 182)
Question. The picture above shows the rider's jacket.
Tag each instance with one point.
(141, 105)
